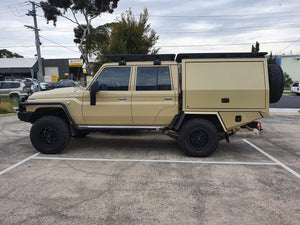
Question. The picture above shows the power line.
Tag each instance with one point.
(230, 30)
(229, 44)
(220, 16)
(290, 45)
(63, 46)
(190, 31)
(196, 45)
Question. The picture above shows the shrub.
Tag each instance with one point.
(7, 105)
(287, 80)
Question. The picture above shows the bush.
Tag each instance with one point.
(287, 80)
(7, 105)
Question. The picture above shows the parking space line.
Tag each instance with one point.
(158, 161)
(18, 164)
(273, 159)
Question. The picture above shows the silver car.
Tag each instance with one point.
(12, 89)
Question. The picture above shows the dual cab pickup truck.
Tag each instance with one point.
(197, 98)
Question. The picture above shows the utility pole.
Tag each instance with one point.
(37, 43)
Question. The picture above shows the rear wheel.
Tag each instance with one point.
(14, 97)
(198, 137)
(50, 135)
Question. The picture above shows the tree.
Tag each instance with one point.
(287, 80)
(90, 9)
(255, 48)
(271, 59)
(4, 53)
(127, 35)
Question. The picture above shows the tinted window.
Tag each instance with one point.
(295, 84)
(114, 79)
(15, 85)
(153, 78)
(6, 85)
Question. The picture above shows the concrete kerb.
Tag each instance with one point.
(284, 111)
(8, 114)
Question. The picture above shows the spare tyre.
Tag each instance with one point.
(276, 82)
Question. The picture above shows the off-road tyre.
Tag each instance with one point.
(198, 137)
(50, 135)
(276, 82)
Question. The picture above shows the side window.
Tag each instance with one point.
(6, 85)
(15, 85)
(114, 79)
(153, 78)
(295, 84)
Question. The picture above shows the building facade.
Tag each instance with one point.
(20, 68)
(290, 64)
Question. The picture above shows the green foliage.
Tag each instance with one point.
(89, 8)
(287, 80)
(255, 48)
(127, 35)
(6, 105)
(4, 53)
(271, 59)
(79, 32)
(70, 10)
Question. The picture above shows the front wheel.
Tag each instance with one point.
(50, 135)
(198, 137)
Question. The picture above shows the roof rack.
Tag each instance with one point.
(220, 55)
(157, 58)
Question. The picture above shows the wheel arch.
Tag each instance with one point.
(49, 111)
(213, 117)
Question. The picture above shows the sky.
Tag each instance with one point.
(190, 26)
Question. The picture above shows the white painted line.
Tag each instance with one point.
(273, 159)
(284, 110)
(18, 164)
(156, 161)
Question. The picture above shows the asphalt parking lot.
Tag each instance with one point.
(144, 178)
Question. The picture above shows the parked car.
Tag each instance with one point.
(295, 88)
(62, 84)
(12, 89)
(44, 86)
(27, 86)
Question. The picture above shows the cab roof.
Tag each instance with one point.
(157, 58)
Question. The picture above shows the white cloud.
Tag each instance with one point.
(201, 23)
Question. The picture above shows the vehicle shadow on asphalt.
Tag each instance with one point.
(153, 146)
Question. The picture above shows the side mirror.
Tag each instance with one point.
(93, 91)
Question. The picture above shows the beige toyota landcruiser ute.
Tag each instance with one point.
(199, 99)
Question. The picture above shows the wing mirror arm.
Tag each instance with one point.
(93, 91)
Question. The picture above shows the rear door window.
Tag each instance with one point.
(14, 85)
(153, 78)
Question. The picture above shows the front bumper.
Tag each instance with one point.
(25, 116)
(22, 114)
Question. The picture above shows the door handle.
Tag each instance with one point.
(122, 99)
(168, 99)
